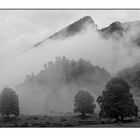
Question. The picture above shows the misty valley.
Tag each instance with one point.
(79, 76)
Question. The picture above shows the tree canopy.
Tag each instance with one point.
(116, 100)
(9, 103)
(84, 102)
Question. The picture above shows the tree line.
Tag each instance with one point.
(115, 102)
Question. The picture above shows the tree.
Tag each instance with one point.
(116, 100)
(9, 103)
(84, 102)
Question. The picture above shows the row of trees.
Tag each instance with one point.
(115, 102)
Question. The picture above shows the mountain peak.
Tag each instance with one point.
(86, 19)
(115, 26)
(115, 29)
(72, 29)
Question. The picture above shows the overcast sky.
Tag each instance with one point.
(23, 28)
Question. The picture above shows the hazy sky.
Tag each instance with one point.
(23, 28)
(20, 24)
(15, 23)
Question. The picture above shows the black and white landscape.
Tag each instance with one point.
(70, 68)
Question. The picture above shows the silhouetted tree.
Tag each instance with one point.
(116, 100)
(9, 103)
(84, 102)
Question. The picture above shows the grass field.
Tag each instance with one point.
(65, 121)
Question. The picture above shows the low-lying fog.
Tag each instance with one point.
(16, 62)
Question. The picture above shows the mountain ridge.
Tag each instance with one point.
(80, 25)
(72, 29)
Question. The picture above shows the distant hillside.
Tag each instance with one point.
(57, 84)
(132, 76)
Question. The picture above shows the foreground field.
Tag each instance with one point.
(65, 121)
